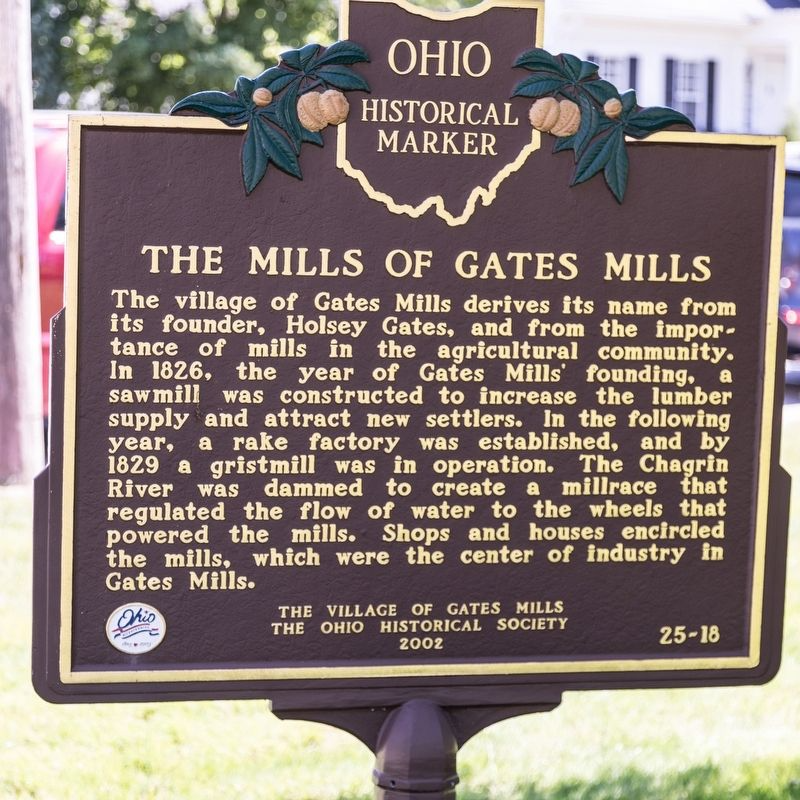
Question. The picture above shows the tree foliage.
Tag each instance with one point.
(136, 56)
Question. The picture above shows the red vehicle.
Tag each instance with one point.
(50, 141)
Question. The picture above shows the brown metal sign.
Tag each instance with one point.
(451, 411)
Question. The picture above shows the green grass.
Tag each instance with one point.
(700, 744)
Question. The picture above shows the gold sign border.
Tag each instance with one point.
(483, 194)
(512, 668)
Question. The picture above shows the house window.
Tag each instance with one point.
(619, 71)
(614, 70)
(690, 90)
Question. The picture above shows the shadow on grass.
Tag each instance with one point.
(759, 782)
(698, 783)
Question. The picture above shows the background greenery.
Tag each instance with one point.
(699, 744)
(135, 55)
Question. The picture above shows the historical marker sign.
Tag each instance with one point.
(452, 410)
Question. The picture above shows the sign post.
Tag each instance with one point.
(417, 380)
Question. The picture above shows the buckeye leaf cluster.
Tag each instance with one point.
(606, 116)
(274, 133)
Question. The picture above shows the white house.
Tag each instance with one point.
(730, 65)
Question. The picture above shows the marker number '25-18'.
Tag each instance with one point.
(679, 634)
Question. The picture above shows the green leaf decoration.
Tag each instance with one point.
(342, 78)
(275, 79)
(276, 147)
(538, 86)
(607, 116)
(300, 59)
(220, 105)
(342, 53)
(274, 133)
(600, 91)
(642, 123)
(616, 168)
(286, 115)
(593, 123)
(564, 143)
(590, 125)
(588, 70)
(308, 55)
(573, 66)
(313, 137)
(596, 156)
(539, 60)
(628, 102)
(244, 90)
(254, 160)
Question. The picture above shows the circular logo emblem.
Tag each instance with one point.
(136, 628)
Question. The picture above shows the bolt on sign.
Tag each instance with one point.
(425, 364)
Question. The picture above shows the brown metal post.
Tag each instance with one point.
(416, 754)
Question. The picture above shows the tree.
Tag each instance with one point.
(20, 363)
(130, 57)
(103, 54)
